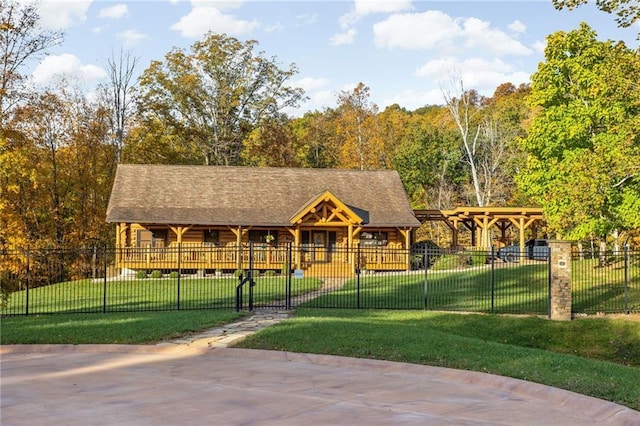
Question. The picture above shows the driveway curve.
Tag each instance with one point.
(155, 385)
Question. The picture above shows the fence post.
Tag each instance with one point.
(358, 276)
(425, 265)
(94, 260)
(26, 302)
(288, 272)
(493, 280)
(104, 283)
(179, 273)
(250, 275)
(626, 279)
(560, 293)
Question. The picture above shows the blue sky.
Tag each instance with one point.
(404, 51)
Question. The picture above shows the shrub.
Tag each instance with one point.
(476, 259)
(270, 273)
(174, 274)
(449, 261)
(156, 274)
(8, 284)
(238, 272)
(141, 274)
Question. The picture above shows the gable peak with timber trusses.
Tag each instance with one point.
(326, 209)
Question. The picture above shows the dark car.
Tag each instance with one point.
(423, 254)
(534, 249)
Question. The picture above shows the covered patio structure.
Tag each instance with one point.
(480, 220)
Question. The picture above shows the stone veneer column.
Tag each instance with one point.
(560, 309)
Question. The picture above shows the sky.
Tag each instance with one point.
(405, 51)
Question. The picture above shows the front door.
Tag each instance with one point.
(319, 246)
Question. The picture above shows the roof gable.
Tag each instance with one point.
(326, 208)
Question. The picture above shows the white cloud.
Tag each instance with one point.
(61, 14)
(346, 37)
(517, 27)
(114, 12)
(362, 8)
(66, 65)
(435, 29)
(306, 19)
(202, 19)
(218, 4)
(412, 99)
(479, 33)
(481, 74)
(424, 30)
(539, 46)
(275, 28)
(132, 37)
(310, 83)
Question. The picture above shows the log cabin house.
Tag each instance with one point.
(205, 217)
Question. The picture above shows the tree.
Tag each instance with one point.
(118, 96)
(583, 144)
(271, 145)
(316, 139)
(628, 11)
(505, 116)
(21, 39)
(212, 97)
(487, 128)
(56, 172)
(361, 146)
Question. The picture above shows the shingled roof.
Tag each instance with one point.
(208, 195)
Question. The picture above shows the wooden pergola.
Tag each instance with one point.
(479, 220)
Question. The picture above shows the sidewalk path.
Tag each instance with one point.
(226, 335)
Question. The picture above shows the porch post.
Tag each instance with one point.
(296, 241)
(407, 245)
(455, 230)
(350, 256)
(118, 254)
(239, 244)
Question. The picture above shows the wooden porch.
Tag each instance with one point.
(262, 257)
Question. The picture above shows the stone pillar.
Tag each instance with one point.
(560, 309)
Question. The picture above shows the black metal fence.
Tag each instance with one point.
(606, 282)
(250, 277)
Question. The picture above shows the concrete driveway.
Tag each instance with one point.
(155, 385)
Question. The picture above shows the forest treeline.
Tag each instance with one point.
(569, 141)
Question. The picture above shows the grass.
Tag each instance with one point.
(516, 289)
(596, 357)
(601, 289)
(120, 328)
(501, 288)
(149, 295)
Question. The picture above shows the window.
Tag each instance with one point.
(154, 238)
(373, 238)
(211, 237)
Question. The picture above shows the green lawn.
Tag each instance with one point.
(505, 288)
(601, 289)
(150, 294)
(122, 328)
(596, 356)
(516, 289)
